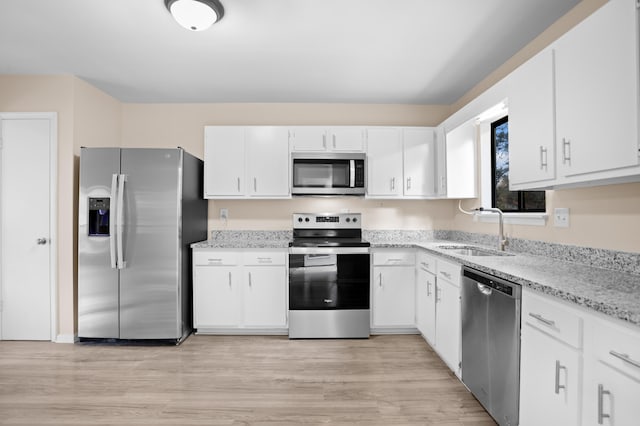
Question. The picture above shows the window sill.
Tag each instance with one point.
(532, 219)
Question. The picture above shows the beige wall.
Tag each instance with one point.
(86, 116)
(605, 217)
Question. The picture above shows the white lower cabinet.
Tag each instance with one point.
(393, 288)
(577, 367)
(612, 374)
(438, 306)
(239, 291)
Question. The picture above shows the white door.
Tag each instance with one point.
(224, 161)
(419, 161)
(27, 146)
(384, 167)
(267, 152)
(265, 298)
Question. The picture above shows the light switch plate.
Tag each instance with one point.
(561, 217)
(224, 214)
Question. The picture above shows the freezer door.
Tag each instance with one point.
(97, 276)
(150, 279)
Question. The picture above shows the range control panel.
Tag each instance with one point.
(327, 220)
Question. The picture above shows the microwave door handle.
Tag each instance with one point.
(112, 221)
(352, 173)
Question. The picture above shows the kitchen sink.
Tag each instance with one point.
(473, 251)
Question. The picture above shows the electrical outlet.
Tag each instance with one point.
(224, 214)
(561, 217)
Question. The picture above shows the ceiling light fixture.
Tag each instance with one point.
(195, 15)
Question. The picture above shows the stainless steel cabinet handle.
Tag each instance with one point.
(601, 394)
(324, 141)
(428, 288)
(408, 183)
(393, 184)
(425, 264)
(41, 241)
(626, 358)
(249, 279)
(543, 157)
(334, 141)
(445, 274)
(229, 279)
(380, 278)
(558, 386)
(255, 184)
(443, 182)
(543, 320)
(238, 184)
(566, 151)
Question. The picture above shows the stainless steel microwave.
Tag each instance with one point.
(328, 173)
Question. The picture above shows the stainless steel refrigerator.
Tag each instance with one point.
(139, 209)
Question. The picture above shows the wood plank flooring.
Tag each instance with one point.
(234, 380)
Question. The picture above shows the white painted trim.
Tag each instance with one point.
(533, 219)
(53, 207)
(65, 338)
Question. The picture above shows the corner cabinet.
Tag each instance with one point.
(401, 162)
(590, 79)
(455, 168)
(246, 162)
(239, 291)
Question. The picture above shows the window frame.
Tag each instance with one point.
(520, 194)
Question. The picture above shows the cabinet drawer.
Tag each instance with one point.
(390, 258)
(426, 261)
(617, 348)
(253, 258)
(449, 271)
(212, 257)
(553, 318)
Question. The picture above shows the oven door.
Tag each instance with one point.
(328, 278)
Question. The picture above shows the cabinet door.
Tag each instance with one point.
(309, 138)
(265, 296)
(550, 380)
(611, 398)
(346, 139)
(441, 163)
(531, 121)
(426, 304)
(448, 331)
(384, 162)
(597, 91)
(419, 162)
(267, 152)
(216, 297)
(460, 144)
(224, 161)
(394, 296)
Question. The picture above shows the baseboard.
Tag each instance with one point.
(65, 338)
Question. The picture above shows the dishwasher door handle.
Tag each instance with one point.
(485, 289)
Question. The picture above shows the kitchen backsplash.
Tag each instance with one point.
(599, 258)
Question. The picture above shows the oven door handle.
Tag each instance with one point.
(329, 250)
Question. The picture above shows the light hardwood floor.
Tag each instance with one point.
(234, 380)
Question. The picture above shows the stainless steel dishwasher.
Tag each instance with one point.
(491, 343)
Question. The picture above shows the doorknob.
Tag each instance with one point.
(41, 241)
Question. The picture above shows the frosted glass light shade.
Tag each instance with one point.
(195, 15)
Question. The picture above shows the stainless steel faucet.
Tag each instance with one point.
(502, 240)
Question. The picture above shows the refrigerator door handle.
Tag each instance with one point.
(120, 221)
(112, 221)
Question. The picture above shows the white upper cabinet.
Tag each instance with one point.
(597, 91)
(249, 161)
(573, 108)
(267, 159)
(224, 170)
(320, 139)
(460, 146)
(531, 121)
(384, 162)
(419, 162)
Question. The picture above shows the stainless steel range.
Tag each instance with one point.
(328, 277)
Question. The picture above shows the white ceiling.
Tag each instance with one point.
(343, 51)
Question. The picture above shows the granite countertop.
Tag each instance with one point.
(614, 293)
(242, 244)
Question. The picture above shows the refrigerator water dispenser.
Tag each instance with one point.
(99, 217)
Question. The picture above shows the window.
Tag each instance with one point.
(501, 197)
